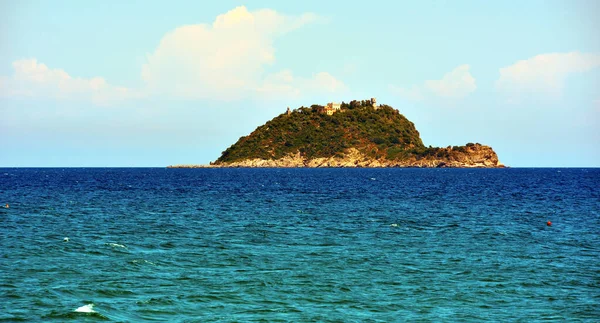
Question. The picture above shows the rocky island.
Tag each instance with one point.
(354, 134)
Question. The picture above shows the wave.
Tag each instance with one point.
(116, 245)
(141, 262)
(89, 308)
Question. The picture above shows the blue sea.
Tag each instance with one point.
(299, 245)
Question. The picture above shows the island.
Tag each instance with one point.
(355, 134)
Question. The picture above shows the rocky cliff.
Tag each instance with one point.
(476, 156)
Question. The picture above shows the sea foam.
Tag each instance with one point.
(116, 245)
(89, 308)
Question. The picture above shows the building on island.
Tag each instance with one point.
(331, 108)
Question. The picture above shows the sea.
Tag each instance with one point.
(299, 245)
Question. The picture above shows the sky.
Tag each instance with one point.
(155, 83)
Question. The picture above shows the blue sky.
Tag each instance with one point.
(154, 83)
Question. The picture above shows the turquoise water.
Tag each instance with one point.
(299, 245)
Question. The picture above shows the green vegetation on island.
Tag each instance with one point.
(379, 135)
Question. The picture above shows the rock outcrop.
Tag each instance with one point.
(474, 156)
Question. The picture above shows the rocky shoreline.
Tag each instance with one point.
(476, 156)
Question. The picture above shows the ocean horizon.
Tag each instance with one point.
(123, 244)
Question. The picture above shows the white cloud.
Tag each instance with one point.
(285, 85)
(544, 74)
(36, 80)
(279, 85)
(225, 60)
(454, 85)
(413, 93)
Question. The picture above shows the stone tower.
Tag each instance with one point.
(374, 103)
(288, 112)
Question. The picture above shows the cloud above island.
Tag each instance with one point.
(225, 60)
(544, 74)
(455, 84)
(285, 84)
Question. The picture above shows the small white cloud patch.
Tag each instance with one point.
(413, 93)
(36, 80)
(285, 85)
(544, 74)
(456, 84)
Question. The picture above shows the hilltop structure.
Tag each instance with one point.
(331, 108)
(374, 103)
